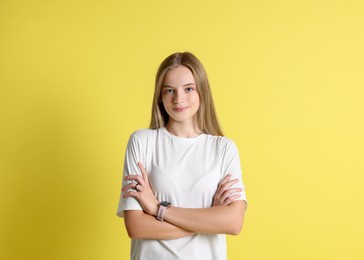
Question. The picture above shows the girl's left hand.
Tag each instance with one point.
(142, 191)
(225, 194)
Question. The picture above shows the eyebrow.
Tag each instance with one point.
(188, 84)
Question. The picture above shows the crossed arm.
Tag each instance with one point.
(226, 216)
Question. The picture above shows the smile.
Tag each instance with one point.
(180, 109)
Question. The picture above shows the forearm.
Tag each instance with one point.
(219, 219)
(142, 225)
(214, 220)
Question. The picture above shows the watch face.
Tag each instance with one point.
(166, 203)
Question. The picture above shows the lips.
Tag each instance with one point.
(180, 109)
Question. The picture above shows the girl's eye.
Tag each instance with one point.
(189, 89)
(168, 91)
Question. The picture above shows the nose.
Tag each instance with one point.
(178, 97)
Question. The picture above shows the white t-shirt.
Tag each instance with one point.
(185, 172)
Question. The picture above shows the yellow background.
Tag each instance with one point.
(76, 78)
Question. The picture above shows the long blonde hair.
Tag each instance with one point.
(206, 115)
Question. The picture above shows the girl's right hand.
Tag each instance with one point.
(225, 194)
(141, 190)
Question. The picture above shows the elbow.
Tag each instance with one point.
(235, 232)
(132, 227)
(134, 232)
(131, 233)
(237, 225)
(235, 229)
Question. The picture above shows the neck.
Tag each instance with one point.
(183, 129)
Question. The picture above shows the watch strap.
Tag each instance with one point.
(163, 206)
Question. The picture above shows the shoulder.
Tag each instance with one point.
(223, 143)
(142, 135)
(145, 132)
(220, 140)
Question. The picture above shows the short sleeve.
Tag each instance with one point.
(231, 165)
(133, 155)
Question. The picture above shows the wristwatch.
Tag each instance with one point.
(163, 206)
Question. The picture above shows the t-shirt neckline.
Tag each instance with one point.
(186, 139)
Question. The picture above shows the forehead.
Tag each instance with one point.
(178, 76)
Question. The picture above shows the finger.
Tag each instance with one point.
(231, 199)
(225, 180)
(232, 182)
(228, 184)
(144, 172)
(221, 183)
(227, 200)
(132, 193)
(129, 186)
(139, 188)
(230, 192)
(233, 190)
(136, 178)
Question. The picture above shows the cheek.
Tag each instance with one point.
(164, 99)
(196, 99)
(166, 102)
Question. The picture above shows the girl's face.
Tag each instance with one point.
(179, 95)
